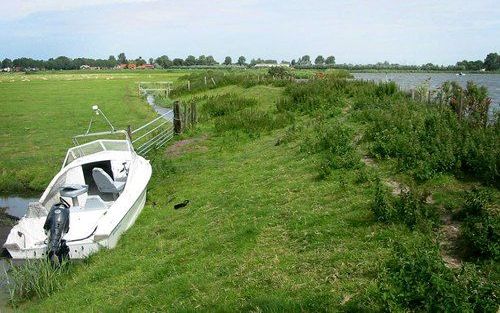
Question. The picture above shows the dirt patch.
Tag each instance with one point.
(186, 146)
(450, 235)
(368, 160)
(396, 187)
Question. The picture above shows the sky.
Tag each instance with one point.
(357, 32)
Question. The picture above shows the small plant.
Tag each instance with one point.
(226, 104)
(412, 209)
(36, 278)
(386, 89)
(481, 228)
(278, 72)
(252, 121)
(382, 206)
(416, 279)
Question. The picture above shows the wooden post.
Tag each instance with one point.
(205, 80)
(193, 113)
(429, 96)
(129, 132)
(177, 118)
(213, 81)
(184, 116)
(189, 85)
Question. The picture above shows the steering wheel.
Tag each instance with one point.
(64, 202)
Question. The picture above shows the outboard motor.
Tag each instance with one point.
(57, 225)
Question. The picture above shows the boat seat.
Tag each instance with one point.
(95, 203)
(105, 183)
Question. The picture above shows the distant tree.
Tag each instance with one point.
(190, 60)
(492, 62)
(139, 61)
(320, 60)
(228, 60)
(330, 60)
(163, 61)
(122, 59)
(202, 60)
(177, 62)
(211, 60)
(6, 63)
(242, 60)
(305, 60)
(470, 65)
(151, 60)
(111, 61)
(293, 62)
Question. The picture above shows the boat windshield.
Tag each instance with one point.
(96, 147)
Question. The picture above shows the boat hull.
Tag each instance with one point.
(81, 250)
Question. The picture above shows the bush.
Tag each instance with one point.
(416, 279)
(409, 208)
(481, 227)
(226, 104)
(382, 207)
(317, 94)
(333, 142)
(386, 89)
(412, 209)
(252, 121)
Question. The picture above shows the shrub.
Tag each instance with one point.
(386, 89)
(382, 207)
(481, 227)
(333, 142)
(317, 94)
(409, 208)
(252, 121)
(416, 278)
(412, 209)
(226, 104)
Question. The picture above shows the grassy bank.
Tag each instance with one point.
(306, 197)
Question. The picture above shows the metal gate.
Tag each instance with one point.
(154, 134)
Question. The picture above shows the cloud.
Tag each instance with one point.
(22, 8)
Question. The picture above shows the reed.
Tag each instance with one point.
(35, 279)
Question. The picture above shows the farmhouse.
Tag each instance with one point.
(262, 65)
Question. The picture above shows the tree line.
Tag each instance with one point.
(490, 63)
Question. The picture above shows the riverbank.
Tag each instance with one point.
(299, 200)
(287, 195)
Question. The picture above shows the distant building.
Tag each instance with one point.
(146, 66)
(85, 67)
(7, 69)
(261, 65)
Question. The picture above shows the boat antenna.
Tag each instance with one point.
(98, 111)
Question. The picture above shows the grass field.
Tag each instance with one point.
(268, 227)
(40, 113)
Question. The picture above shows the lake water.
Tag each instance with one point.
(412, 80)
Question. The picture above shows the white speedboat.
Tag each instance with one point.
(95, 197)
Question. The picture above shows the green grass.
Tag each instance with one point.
(264, 230)
(39, 117)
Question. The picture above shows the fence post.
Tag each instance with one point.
(129, 132)
(193, 113)
(177, 118)
(213, 81)
(205, 80)
(189, 85)
(429, 96)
